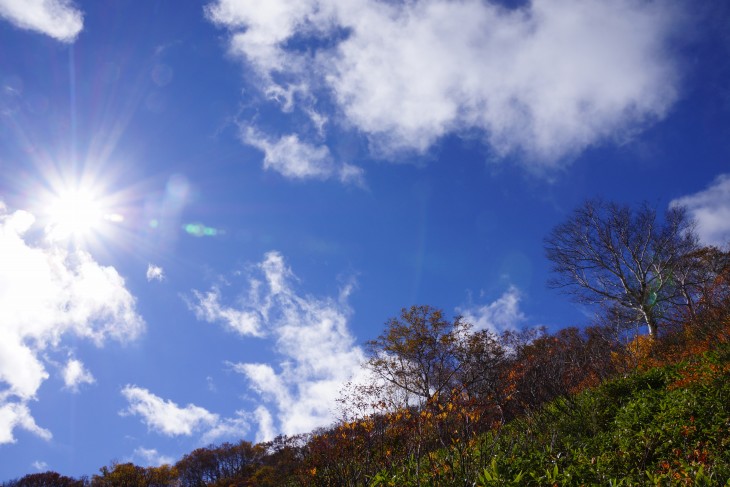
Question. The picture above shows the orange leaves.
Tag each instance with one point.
(131, 475)
(688, 430)
(698, 374)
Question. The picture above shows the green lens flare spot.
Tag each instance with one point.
(200, 230)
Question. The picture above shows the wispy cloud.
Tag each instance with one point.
(74, 374)
(167, 418)
(55, 18)
(17, 415)
(235, 428)
(39, 465)
(207, 306)
(155, 273)
(317, 353)
(711, 209)
(297, 159)
(48, 292)
(266, 429)
(150, 457)
(500, 315)
(545, 80)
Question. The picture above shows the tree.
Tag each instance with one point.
(46, 479)
(625, 260)
(561, 364)
(708, 319)
(483, 370)
(219, 465)
(419, 352)
(131, 475)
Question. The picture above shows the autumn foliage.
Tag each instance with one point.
(450, 405)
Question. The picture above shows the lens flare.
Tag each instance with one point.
(200, 230)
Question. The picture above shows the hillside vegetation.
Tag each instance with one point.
(450, 405)
(666, 426)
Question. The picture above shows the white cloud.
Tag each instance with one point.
(149, 457)
(498, 316)
(55, 18)
(266, 430)
(169, 419)
(155, 273)
(17, 415)
(545, 80)
(711, 209)
(39, 465)
(74, 374)
(296, 159)
(235, 427)
(166, 417)
(317, 352)
(265, 381)
(207, 307)
(48, 292)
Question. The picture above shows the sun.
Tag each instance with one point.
(75, 213)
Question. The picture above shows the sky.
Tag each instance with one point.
(208, 208)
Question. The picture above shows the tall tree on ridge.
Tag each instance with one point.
(624, 260)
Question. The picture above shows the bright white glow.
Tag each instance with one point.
(78, 209)
(75, 213)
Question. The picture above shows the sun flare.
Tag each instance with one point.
(75, 213)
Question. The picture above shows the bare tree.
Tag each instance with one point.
(625, 260)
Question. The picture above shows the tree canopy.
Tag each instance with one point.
(627, 261)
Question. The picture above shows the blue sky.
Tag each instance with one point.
(208, 208)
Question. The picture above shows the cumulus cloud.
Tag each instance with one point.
(297, 159)
(55, 18)
(545, 80)
(500, 315)
(74, 374)
(155, 273)
(39, 465)
(48, 292)
(169, 419)
(317, 352)
(711, 210)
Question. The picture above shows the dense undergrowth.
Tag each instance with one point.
(666, 426)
